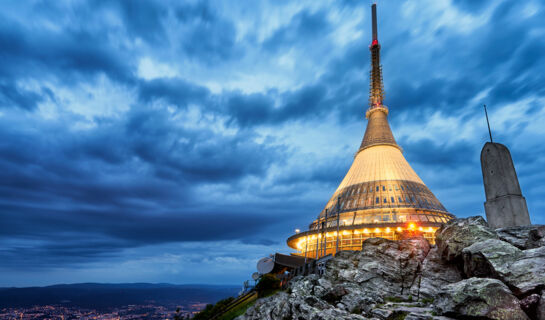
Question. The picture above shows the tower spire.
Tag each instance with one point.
(378, 130)
(376, 91)
(374, 14)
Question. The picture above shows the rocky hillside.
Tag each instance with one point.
(474, 272)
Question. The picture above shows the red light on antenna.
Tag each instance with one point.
(374, 43)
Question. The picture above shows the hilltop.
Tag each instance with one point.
(473, 272)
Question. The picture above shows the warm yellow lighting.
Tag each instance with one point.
(365, 231)
(297, 230)
(335, 233)
(377, 230)
(319, 236)
(345, 233)
(420, 229)
(356, 232)
(430, 229)
(411, 226)
(313, 237)
(399, 229)
(387, 230)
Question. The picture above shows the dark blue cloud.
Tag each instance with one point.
(304, 27)
(215, 145)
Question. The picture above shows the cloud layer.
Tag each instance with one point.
(141, 140)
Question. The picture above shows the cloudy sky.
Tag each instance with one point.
(168, 141)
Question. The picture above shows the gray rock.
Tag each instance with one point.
(523, 237)
(274, 307)
(530, 304)
(516, 236)
(435, 274)
(536, 237)
(382, 313)
(461, 233)
(522, 270)
(376, 282)
(479, 297)
(418, 316)
(540, 310)
(385, 266)
(483, 258)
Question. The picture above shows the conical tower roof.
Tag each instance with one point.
(381, 195)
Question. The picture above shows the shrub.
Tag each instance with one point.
(268, 283)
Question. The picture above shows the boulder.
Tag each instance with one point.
(522, 270)
(383, 266)
(536, 237)
(481, 298)
(434, 274)
(458, 234)
(523, 237)
(482, 258)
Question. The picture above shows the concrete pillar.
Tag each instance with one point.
(505, 206)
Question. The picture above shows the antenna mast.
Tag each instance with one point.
(488, 123)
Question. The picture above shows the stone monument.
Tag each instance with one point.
(505, 206)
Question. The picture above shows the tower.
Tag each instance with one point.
(381, 195)
(505, 206)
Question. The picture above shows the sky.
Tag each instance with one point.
(181, 141)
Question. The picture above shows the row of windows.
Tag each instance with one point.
(381, 218)
(352, 242)
(400, 199)
(364, 189)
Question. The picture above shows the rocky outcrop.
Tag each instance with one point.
(525, 237)
(474, 272)
(435, 274)
(480, 298)
(522, 270)
(461, 233)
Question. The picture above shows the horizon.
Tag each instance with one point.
(165, 142)
(130, 283)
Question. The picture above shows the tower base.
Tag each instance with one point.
(507, 211)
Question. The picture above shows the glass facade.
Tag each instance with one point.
(326, 241)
